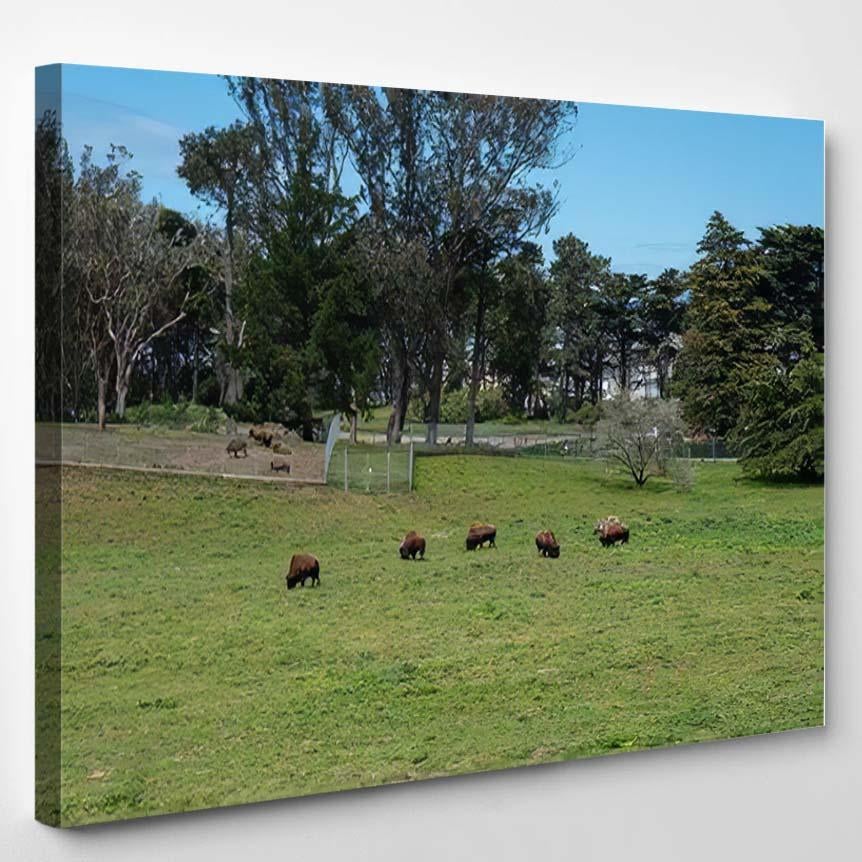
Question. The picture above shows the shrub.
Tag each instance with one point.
(587, 414)
(182, 416)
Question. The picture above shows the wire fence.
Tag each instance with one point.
(179, 451)
(554, 441)
(372, 469)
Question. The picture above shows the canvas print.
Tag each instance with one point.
(385, 435)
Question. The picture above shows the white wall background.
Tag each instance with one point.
(790, 796)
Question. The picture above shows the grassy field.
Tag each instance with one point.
(191, 678)
(377, 421)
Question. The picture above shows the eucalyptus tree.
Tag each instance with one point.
(459, 174)
(129, 270)
(218, 166)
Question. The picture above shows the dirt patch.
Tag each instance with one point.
(125, 446)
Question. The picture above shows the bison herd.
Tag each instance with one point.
(610, 530)
(274, 438)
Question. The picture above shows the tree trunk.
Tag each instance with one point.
(354, 426)
(476, 369)
(564, 396)
(195, 362)
(233, 388)
(102, 387)
(435, 395)
(124, 380)
(399, 402)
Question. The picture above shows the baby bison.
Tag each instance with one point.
(478, 534)
(279, 465)
(303, 567)
(236, 446)
(547, 544)
(412, 545)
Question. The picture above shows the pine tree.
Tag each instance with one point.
(726, 328)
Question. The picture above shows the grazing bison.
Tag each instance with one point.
(303, 567)
(547, 544)
(236, 446)
(611, 530)
(412, 545)
(262, 435)
(478, 534)
(279, 465)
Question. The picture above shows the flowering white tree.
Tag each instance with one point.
(640, 434)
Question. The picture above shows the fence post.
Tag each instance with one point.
(388, 468)
(367, 472)
(713, 449)
(410, 467)
(346, 486)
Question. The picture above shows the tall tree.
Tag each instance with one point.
(518, 328)
(218, 166)
(620, 303)
(126, 266)
(57, 333)
(662, 309)
(577, 277)
(457, 172)
(725, 331)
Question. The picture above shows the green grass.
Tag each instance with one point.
(379, 417)
(191, 678)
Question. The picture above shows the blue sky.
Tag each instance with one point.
(639, 189)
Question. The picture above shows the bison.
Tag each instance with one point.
(611, 530)
(412, 545)
(547, 544)
(262, 435)
(236, 446)
(478, 534)
(279, 465)
(303, 567)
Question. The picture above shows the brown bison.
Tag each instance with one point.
(236, 446)
(303, 567)
(262, 435)
(279, 465)
(611, 530)
(412, 545)
(478, 534)
(547, 544)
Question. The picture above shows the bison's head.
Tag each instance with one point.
(402, 549)
(554, 551)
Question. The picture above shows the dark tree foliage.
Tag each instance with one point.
(662, 310)
(60, 353)
(792, 258)
(518, 328)
(577, 277)
(727, 324)
(780, 430)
